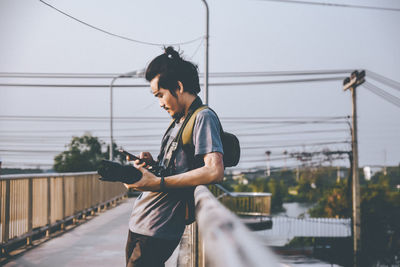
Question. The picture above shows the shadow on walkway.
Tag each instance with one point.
(98, 242)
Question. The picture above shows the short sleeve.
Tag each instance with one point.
(207, 133)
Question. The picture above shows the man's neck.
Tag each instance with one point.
(189, 99)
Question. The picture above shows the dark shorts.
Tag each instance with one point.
(147, 251)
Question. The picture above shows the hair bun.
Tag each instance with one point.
(171, 53)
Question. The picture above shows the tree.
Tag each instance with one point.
(83, 154)
(380, 215)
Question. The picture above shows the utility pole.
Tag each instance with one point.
(352, 82)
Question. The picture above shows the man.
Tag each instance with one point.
(158, 218)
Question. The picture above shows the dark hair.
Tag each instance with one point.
(171, 68)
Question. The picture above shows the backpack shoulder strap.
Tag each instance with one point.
(187, 134)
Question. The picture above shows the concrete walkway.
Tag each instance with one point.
(98, 242)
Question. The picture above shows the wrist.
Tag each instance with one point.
(162, 183)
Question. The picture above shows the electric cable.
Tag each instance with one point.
(216, 84)
(385, 80)
(152, 118)
(197, 49)
(117, 35)
(334, 5)
(382, 93)
(295, 145)
(133, 136)
(211, 74)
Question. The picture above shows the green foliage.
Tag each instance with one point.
(278, 189)
(336, 202)
(380, 204)
(83, 154)
(380, 220)
(313, 183)
(380, 213)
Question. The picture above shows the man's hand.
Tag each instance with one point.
(145, 156)
(148, 182)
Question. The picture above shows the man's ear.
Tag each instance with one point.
(180, 87)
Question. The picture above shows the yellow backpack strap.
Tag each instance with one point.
(187, 135)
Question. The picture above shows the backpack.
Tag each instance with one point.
(230, 142)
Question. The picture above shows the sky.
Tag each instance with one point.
(245, 36)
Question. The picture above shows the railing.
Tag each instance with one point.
(38, 202)
(219, 238)
(243, 203)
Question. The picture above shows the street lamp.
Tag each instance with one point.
(206, 58)
(135, 73)
(351, 83)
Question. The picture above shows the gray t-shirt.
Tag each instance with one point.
(162, 214)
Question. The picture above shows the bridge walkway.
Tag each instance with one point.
(98, 242)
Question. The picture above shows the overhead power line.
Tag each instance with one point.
(385, 80)
(295, 145)
(94, 131)
(334, 5)
(326, 79)
(213, 74)
(44, 85)
(117, 35)
(133, 136)
(279, 73)
(382, 93)
(152, 119)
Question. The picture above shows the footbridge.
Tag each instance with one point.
(73, 219)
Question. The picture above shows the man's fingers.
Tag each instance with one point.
(146, 156)
(141, 166)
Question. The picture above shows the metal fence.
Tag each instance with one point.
(37, 202)
(243, 203)
(289, 227)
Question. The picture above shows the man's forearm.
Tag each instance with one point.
(203, 175)
(212, 172)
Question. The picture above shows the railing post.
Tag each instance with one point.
(63, 200)
(6, 219)
(75, 199)
(48, 206)
(30, 210)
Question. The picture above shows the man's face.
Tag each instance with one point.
(167, 101)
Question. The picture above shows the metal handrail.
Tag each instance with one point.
(32, 202)
(41, 175)
(219, 238)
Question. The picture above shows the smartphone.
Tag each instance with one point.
(131, 156)
(151, 167)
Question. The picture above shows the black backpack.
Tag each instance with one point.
(230, 142)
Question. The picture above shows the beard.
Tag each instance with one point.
(178, 115)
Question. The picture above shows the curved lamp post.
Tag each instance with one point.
(206, 63)
(135, 73)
